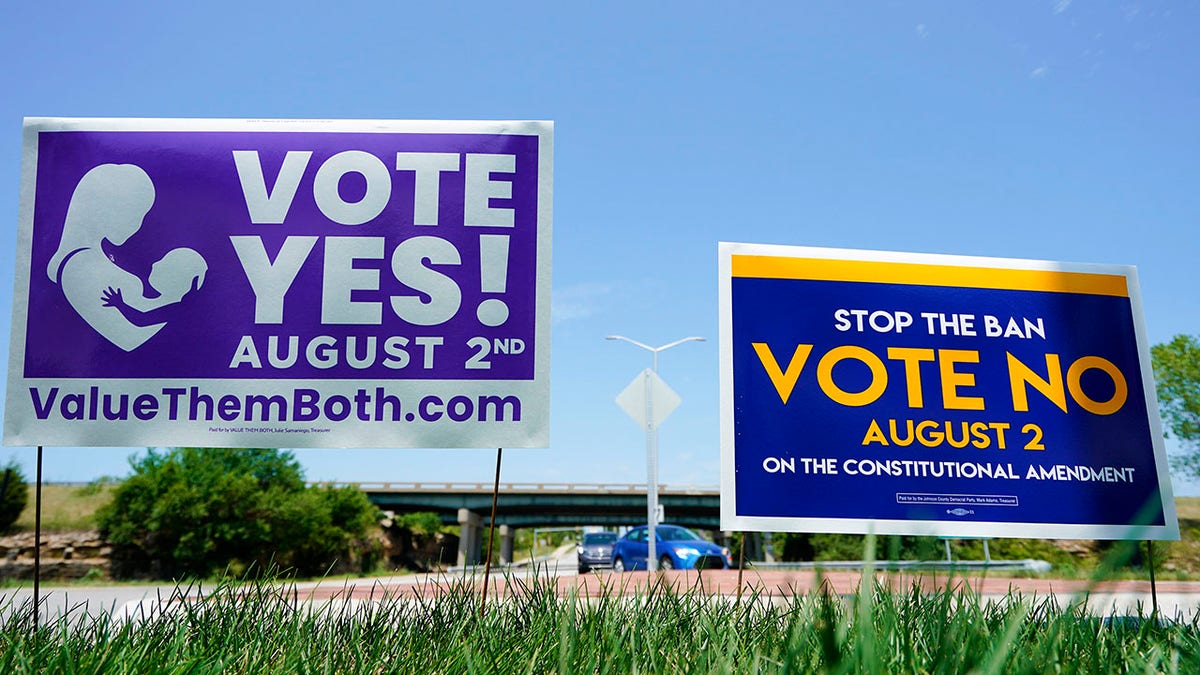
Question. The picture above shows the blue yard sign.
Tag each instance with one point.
(898, 393)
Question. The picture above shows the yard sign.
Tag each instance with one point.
(936, 395)
(282, 283)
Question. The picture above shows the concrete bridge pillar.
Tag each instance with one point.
(469, 538)
(507, 534)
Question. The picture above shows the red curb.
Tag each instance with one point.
(772, 583)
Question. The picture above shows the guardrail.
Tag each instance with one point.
(544, 488)
(1038, 566)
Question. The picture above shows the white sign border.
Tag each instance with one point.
(533, 431)
(731, 521)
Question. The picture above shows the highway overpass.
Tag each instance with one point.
(537, 505)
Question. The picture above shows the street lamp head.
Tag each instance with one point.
(654, 349)
(632, 342)
(679, 342)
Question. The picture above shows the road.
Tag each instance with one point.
(135, 600)
(1176, 599)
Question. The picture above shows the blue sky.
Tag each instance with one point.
(1050, 129)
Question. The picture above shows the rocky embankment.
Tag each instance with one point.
(66, 556)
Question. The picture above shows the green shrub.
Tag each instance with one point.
(14, 494)
(203, 511)
(423, 523)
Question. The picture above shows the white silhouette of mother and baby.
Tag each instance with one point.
(109, 204)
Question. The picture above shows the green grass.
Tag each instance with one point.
(259, 628)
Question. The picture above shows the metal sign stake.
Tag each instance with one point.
(1153, 586)
(741, 566)
(37, 545)
(487, 564)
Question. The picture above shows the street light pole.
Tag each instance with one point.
(652, 449)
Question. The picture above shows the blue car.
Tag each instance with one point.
(678, 548)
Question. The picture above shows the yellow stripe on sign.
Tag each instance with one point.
(919, 274)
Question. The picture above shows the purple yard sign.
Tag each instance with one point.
(282, 283)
